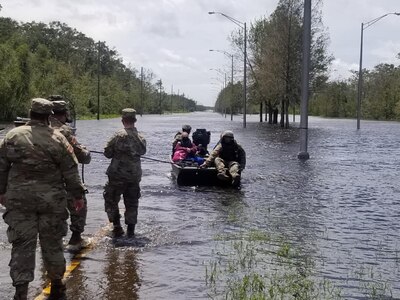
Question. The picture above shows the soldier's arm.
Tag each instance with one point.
(4, 167)
(109, 148)
(213, 155)
(69, 169)
(80, 151)
(141, 145)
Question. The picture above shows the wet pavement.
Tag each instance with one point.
(340, 209)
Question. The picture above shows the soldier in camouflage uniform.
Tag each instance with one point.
(58, 120)
(229, 158)
(124, 173)
(37, 166)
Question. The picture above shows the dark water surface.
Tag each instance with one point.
(340, 209)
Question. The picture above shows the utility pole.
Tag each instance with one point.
(159, 104)
(172, 93)
(98, 81)
(141, 91)
(303, 155)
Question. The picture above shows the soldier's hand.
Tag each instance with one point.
(2, 199)
(78, 204)
(203, 165)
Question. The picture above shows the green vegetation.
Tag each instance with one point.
(380, 98)
(252, 266)
(274, 77)
(37, 60)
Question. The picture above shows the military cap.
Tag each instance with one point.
(59, 106)
(129, 113)
(42, 106)
(186, 128)
(55, 97)
(227, 133)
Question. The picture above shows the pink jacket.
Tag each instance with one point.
(181, 153)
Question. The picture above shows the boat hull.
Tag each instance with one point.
(195, 176)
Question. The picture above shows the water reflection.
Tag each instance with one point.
(122, 279)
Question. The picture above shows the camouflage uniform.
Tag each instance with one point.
(124, 172)
(78, 219)
(229, 158)
(37, 166)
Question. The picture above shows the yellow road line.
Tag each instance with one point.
(75, 262)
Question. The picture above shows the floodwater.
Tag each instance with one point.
(339, 210)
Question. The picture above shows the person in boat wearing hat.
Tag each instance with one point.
(178, 136)
(124, 173)
(184, 148)
(229, 158)
(58, 120)
(37, 169)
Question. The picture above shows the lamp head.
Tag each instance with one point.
(397, 14)
(211, 12)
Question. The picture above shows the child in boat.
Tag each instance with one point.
(184, 148)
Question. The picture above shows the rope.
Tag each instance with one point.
(144, 157)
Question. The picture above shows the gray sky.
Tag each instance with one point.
(173, 37)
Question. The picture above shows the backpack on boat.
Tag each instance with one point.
(201, 137)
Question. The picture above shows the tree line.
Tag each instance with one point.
(274, 62)
(37, 60)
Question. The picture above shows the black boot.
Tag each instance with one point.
(21, 292)
(58, 290)
(117, 231)
(75, 239)
(131, 230)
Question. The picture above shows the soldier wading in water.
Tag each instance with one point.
(124, 173)
(37, 168)
(58, 120)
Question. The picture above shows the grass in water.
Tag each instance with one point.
(253, 266)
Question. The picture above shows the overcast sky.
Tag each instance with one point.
(173, 37)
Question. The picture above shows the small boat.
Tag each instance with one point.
(19, 121)
(188, 173)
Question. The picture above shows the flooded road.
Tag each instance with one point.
(331, 222)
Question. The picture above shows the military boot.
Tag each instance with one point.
(58, 290)
(117, 231)
(21, 292)
(75, 239)
(222, 175)
(131, 230)
(235, 180)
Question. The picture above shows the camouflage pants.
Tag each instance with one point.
(24, 228)
(112, 195)
(78, 219)
(232, 167)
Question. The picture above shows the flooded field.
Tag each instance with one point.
(326, 228)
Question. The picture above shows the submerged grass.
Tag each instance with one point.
(251, 265)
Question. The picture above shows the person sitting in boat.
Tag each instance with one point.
(229, 158)
(178, 136)
(184, 148)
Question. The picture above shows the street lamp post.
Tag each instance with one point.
(360, 75)
(243, 26)
(231, 57)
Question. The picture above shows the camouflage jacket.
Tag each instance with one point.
(37, 165)
(235, 152)
(80, 151)
(125, 148)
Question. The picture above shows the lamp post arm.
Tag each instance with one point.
(237, 22)
(372, 22)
